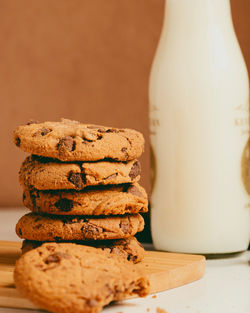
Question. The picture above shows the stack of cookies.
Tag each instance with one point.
(81, 184)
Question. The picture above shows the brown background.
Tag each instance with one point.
(81, 59)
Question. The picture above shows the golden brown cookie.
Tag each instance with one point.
(75, 279)
(72, 141)
(44, 173)
(128, 248)
(103, 200)
(33, 226)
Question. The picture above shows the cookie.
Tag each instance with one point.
(105, 200)
(72, 278)
(128, 248)
(44, 173)
(72, 141)
(33, 226)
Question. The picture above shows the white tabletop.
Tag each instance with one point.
(225, 287)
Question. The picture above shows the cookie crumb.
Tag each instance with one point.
(148, 309)
(159, 310)
(154, 296)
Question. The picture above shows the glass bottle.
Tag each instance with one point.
(199, 131)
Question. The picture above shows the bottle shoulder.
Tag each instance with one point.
(213, 67)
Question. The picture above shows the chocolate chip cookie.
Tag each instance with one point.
(72, 141)
(74, 279)
(116, 199)
(128, 248)
(33, 226)
(44, 173)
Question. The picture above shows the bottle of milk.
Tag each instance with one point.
(199, 124)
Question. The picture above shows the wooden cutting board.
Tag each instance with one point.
(164, 270)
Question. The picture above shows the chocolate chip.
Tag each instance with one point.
(132, 257)
(66, 143)
(83, 175)
(109, 130)
(76, 179)
(135, 170)
(20, 232)
(124, 225)
(64, 205)
(124, 150)
(42, 132)
(56, 257)
(30, 122)
(112, 130)
(91, 229)
(104, 130)
(99, 137)
(134, 191)
(85, 141)
(17, 141)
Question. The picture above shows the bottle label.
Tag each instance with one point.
(154, 120)
(245, 167)
(154, 124)
(242, 119)
(242, 123)
(153, 168)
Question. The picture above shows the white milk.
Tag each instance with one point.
(199, 116)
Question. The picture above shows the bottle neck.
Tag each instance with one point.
(187, 15)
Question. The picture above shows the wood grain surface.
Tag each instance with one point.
(164, 270)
